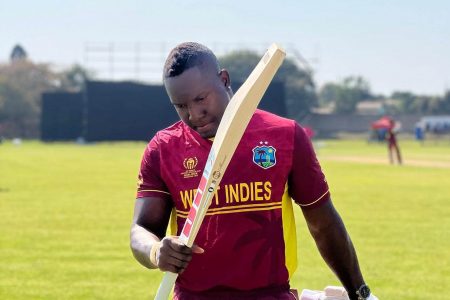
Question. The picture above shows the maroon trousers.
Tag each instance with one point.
(269, 293)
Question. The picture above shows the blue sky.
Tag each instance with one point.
(395, 45)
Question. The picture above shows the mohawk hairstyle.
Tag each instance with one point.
(187, 55)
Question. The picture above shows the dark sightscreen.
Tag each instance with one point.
(126, 111)
(108, 111)
(61, 117)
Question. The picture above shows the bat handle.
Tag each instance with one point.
(166, 286)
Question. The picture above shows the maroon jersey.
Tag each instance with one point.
(249, 230)
(392, 140)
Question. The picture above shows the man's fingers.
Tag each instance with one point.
(174, 247)
(174, 256)
(170, 253)
(196, 249)
(180, 247)
(172, 269)
(175, 244)
(177, 263)
(173, 264)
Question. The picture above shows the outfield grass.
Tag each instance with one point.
(65, 212)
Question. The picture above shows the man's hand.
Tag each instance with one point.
(172, 255)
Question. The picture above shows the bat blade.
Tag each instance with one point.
(234, 121)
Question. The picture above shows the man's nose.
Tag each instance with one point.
(196, 112)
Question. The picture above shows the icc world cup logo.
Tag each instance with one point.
(190, 163)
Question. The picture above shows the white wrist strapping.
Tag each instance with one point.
(154, 254)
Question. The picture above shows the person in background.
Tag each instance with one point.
(393, 147)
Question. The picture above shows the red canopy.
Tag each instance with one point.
(384, 122)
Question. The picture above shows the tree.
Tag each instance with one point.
(445, 105)
(22, 83)
(346, 94)
(13, 111)
(328, 94)
(429, 104)
(299, 84)
(422, 104)
(74, 78)
(17, 54)
(407, 101)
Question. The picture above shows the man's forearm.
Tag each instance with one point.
(337, 249)
(141, 243)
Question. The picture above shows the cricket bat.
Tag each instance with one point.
(234, 121)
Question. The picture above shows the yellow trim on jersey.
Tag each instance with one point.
(245, 206)
(154, 191)
(243, 210)
(289, 233)
(235, 208)
(173, 222)
(315, 200)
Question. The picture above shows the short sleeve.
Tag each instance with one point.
(150, 183)
(307, 184)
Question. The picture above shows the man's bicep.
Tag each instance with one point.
(153, 214)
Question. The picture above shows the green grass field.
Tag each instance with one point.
(65, 212)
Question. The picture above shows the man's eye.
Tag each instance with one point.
(180, 106)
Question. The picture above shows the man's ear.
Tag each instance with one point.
(225, 78)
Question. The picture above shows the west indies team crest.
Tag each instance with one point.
(264, 155)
